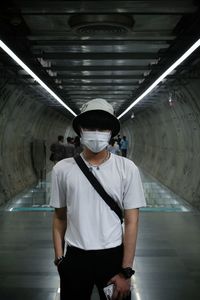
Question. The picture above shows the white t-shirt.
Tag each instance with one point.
(91, 224)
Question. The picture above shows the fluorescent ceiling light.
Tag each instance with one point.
(33, 75)
(167, 72)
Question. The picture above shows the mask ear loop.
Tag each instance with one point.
(81, 131)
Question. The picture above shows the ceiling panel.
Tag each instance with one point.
(88, 49)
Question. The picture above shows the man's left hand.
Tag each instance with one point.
(121, 287)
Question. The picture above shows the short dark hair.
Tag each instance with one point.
(96, 119)
(60, 137)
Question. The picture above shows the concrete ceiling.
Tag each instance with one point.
(108, 49)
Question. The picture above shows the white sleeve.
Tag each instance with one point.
(58, 195)
(133, 189)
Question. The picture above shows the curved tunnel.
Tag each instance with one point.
(164, 140)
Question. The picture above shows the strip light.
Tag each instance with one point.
(167, 72)
(33, 75)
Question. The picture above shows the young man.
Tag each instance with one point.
(98, 252)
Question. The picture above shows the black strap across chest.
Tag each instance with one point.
(98, 187)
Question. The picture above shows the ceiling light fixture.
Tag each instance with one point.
(98, 24)
(167, 72)
(33, 75)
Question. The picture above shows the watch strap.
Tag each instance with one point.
(127, 272)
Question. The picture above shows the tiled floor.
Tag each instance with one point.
(160, 198)
(167, 259)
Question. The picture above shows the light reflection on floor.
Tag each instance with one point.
(160, 244)
(158, 197)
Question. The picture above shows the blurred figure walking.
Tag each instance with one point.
(113, 147)
(69, 148)
(124, 146)
(78, 148)
(57, 150)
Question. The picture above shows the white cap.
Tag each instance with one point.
(96, 104)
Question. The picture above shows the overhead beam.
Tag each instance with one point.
(100, 84)
(97, 56)
(74, 100)
(69, 43)
(92, 77)
(84, 96)
(163, 35)
(96, 92)
(99, 68)
(100, 88)
(80, 68)
(135, 7)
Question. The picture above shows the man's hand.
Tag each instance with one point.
(121, 287)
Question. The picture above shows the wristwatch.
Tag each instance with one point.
(127, 272)
(58, 260)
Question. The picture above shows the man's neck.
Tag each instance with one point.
(95, 158)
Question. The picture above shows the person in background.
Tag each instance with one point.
(124, 146)
(69, 148)
(97, 249)
(78, 148)
(113, 147)
(57, 150)
(118, 139)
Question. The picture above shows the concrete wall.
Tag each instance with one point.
(25, 125)
(166, 141)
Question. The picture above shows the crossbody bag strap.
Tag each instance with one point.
(98, 187)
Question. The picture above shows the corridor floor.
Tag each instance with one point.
(167, 261)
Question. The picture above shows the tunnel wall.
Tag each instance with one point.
(25, 125)
(165, 141)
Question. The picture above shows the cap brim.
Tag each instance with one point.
(77, 120)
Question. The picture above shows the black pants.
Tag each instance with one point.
(81, 270)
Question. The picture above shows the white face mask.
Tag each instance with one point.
(96, 141)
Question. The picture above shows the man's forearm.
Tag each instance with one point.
(59, 228)
(130, 237)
